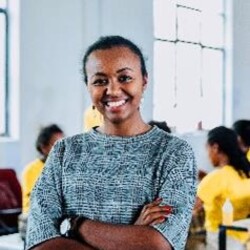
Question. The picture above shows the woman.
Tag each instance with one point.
(230, 180)
(123, 185)
(45, 140)
(242, 128)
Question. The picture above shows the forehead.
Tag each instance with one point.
(114, 58)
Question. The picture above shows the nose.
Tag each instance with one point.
(113, 88)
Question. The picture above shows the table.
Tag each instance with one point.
(11, 242)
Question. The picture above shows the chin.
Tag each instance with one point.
(116, 120)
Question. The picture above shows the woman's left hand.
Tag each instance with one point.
(153, 213)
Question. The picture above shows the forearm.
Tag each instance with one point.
(63, 244)
(123, 237)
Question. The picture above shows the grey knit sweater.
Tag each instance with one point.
(110, 178)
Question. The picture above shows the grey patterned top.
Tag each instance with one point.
(110, 179)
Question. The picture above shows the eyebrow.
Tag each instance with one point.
(98, 74)
(118, 71)
(126, 68)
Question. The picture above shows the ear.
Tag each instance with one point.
(145, 82)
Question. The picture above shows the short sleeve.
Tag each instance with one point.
(210, 187)
(46, 201)
(178, 189)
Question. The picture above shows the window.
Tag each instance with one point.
(3, 68)
(189, 63)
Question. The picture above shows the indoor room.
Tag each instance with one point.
(197, 56)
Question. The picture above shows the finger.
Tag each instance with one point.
(158, 221)
(155, 203)
(155, 216)
(155, 212)
(156, 209)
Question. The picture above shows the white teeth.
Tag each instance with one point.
(116, 104)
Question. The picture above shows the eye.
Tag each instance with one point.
(100, 82)
(125, 78)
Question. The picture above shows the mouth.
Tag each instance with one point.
(115, 105)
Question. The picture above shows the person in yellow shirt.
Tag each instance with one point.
(230, 180)
(92, 118)
(45, 141)
(242, 128)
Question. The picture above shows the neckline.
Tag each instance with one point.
(135, 138)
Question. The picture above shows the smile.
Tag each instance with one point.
(116, 104)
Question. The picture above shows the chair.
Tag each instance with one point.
(223, 234)
(10, 201)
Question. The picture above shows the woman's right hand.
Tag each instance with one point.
(153, 213)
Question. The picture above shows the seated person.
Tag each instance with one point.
(242, 128)
(230, 180)
(45, 141)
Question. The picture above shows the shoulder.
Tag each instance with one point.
(70, 146)
(36, 164)
(232, 174)
(176, 155)
(78, 138)
(72, 141)
(214, 178)
(174, 145)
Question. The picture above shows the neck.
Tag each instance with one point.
(43, 158)
(224, 161)
(125, 128)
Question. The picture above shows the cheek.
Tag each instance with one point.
(136, 91)
(210, 155)
(95, 95)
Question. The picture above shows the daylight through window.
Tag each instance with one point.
(189, 63)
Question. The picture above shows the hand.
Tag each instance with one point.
(153, 213)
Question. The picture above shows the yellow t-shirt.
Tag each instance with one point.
(92, 118)
(248, 155)
(29, 177)
(215, 188)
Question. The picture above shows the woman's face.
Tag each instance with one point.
(46, 148)
(115, 83)
(213, 151)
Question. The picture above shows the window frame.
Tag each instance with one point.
(4, 11)
(202, 46)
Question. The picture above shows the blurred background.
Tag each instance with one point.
(197, 54)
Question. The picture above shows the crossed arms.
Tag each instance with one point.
(99, 235)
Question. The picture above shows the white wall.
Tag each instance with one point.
(51, 90)
(53, 36)
(241, 59)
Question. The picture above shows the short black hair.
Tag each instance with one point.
(242, 128)
(45, 135)
(162, 125)
(108, 42)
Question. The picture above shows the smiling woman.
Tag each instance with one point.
(116, 86)
(122, 185)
